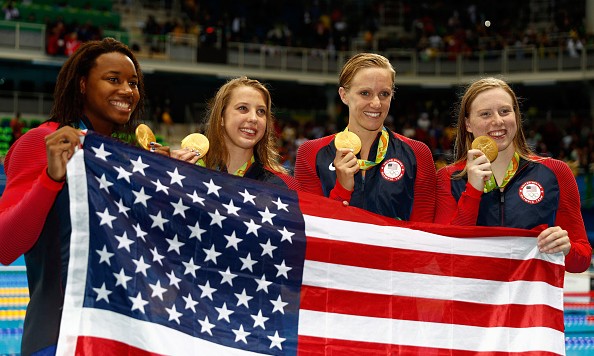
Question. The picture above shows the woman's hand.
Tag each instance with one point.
(185, 154)
(59, 147)
(160, 149)
(346, 166)
(554, 239)
(478, 169)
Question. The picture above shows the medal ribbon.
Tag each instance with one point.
(382, 148)
(239, 172)
(512, 168)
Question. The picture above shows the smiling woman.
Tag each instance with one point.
(518, 188)
(392, 174)
(99, 88)
(240, 130)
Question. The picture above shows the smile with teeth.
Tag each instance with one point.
(372, 114)
(497, 134)
(248, 131)
(121, 104)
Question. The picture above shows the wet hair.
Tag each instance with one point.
(68, 99)
(265, 151)
(464, 138)
(361, 61)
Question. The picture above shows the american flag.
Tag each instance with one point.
(170, 258)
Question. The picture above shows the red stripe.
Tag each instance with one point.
(334, 347)
(315, 205)
(432, 263)
(430, 310)
(88, 345)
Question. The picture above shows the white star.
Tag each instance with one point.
(207, 291)
(141, 197)
(196, 198)
(224, 312)
(263, 284)
(157, 290)
(191, 267)
(283, 269)
(206, 325)
(101, 153)
(259, 320)
(276, 340)
(243, 298)
(227, 277)
(139, 166)
(139, 233)
(158, 220)
(217, 218)
(252, 227)
(212, 188)
(179, 208)
(124, 241)
(248, 197)
(156, 256)
(279, 305)
(286, 235)
(141, 266)
(247, 262)
(266, 216)
(138, 303)
(104, 183)
(211, 255)
(174, 244)
(123, 174)
(190, 302)
(196, 231)
(122, 279)
(160, 187)
(280, 205)
(173, 314)
(231, 209)
(173, 280)
(122, 208)
(106, 218)
(240, 334)
(232, 241)
(104, 256)
(176, 177)
(102, 293)
(267, 248)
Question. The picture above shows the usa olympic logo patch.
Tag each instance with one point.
(392, 170)
(531, 192)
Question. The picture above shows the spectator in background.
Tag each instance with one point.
(11, 12)
(16, 125)
(71, 44)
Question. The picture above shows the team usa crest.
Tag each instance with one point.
(392, 169)
(531, 192)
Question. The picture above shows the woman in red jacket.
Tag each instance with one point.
(518, 189)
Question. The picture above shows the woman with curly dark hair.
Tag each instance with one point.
(100, 88)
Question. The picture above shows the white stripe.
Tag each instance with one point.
(77, 265)
(367, 280)
(518, 248)
(425, 334)
(149, 336)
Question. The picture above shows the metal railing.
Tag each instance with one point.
(294, 62)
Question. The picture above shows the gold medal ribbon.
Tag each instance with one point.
(239, 172)
(382, 148)
(512, 168)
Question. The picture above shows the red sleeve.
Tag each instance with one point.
(569, 217)
(449, 211)
(289, 180)
(424, 200)
(305, 170)
(29, 195)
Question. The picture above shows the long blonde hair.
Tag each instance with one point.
(464, 138)
(265, 150)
